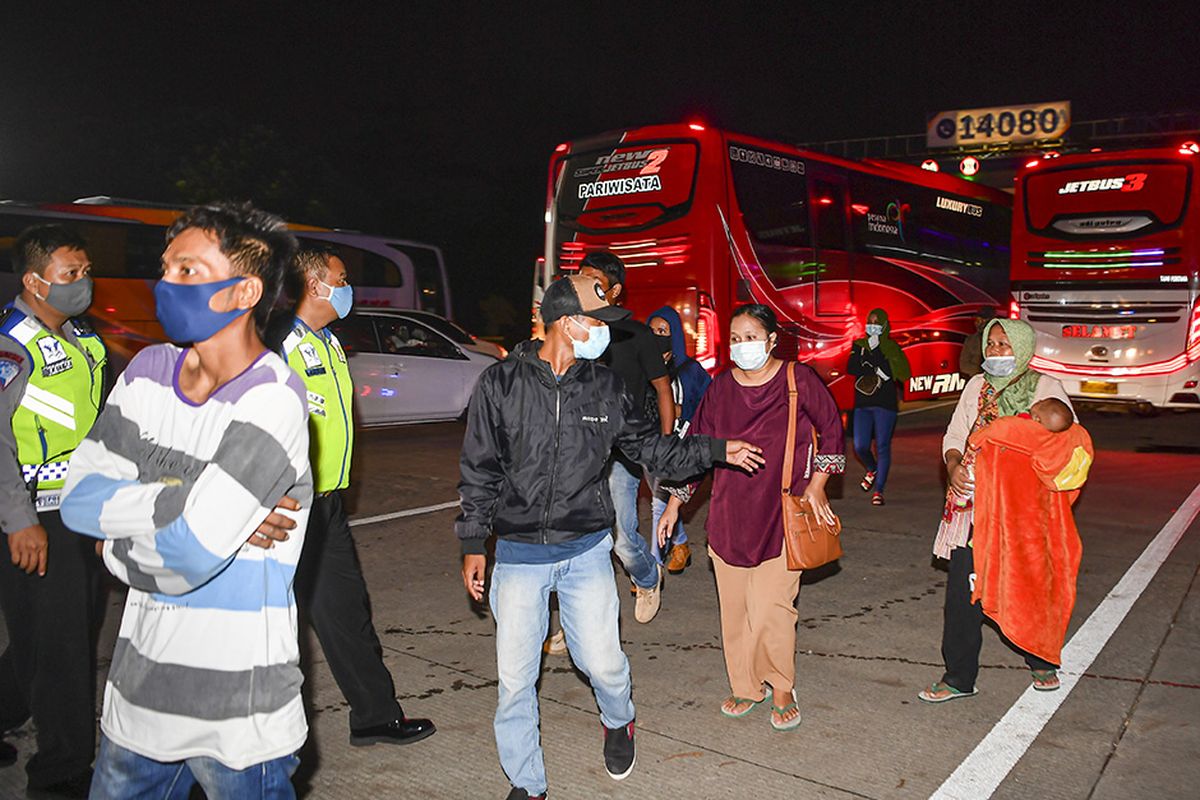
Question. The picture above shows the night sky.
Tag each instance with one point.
(435, 121)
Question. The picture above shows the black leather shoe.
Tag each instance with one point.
(76, 787)
(398, 731)
(8, 754)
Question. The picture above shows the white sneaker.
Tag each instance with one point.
(648, 601)
(556, 645)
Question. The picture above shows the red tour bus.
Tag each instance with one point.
(706, 220)
(1106, 248)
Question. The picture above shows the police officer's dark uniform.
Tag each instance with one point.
(329, 582)
(51, 387)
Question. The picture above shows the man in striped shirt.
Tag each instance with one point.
(195, 448)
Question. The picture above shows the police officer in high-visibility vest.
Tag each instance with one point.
(329, 580)
(51, 387)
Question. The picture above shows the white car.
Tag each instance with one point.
(454, 332)
(405, 370)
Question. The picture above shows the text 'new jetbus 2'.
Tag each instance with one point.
(706, 219)
(1106, 267)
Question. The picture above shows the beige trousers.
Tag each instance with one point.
(758, 626)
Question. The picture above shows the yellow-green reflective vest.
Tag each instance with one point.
(60, 403)
(320, 361)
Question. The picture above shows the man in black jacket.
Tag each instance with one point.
(540, 428)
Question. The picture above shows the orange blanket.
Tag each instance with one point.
(1027, 547)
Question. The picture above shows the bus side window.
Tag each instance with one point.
(829, 204)
(124, 250)
(144, 246)
(364, 268)
(10, 226)
(428, 268)
(774, 208)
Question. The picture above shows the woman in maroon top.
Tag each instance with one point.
(757, 592)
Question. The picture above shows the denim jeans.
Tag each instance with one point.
(588, 610)
(124, 775)
(631, 548)
(879, 424)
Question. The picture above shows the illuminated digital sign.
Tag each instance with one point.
(998, 125)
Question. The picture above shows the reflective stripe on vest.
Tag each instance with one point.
(49, 405)
(61, 398)
(54, 471)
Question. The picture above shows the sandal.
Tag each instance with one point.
(779, 715)
(1045, 680)
(868, 481)
(877, 499)
(731, 703)
(941, 692)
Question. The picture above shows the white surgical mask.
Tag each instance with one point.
(874, 330)
(596, 344)
(1000, 366)
(749, 355)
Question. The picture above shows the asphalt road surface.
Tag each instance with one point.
(868, 641)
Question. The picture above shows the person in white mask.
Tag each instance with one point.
(1006, 387)
(756, 590)
(540, 427)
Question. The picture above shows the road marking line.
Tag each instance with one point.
(981, 772)
(929, 407)
(408, 512)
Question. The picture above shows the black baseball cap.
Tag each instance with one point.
(578, 295)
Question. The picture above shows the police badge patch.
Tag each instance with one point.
(10, 368)
(54, 355)
(312, 361)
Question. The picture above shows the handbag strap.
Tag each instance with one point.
(789, 449)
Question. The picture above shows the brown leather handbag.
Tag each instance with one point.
(808, 541)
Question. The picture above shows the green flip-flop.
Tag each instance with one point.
(942, 692)
(789, 725)
(737, 701)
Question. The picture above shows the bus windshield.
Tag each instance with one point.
(626, 188)
(1106, 199)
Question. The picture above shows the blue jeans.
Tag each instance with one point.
(877, 423)
(588, 610)
(631, 548)
(124, 775)
(658, 504)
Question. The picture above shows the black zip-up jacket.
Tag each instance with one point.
(534, 453)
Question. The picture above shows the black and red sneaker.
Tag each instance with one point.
(619, 755)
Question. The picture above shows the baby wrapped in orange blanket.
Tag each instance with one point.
(1027, 548)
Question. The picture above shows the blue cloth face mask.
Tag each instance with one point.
(874, 330)
(596, 344)
(340, 297)
(183, 310)
(999, 366)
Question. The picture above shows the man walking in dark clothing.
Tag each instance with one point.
(540, 428)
